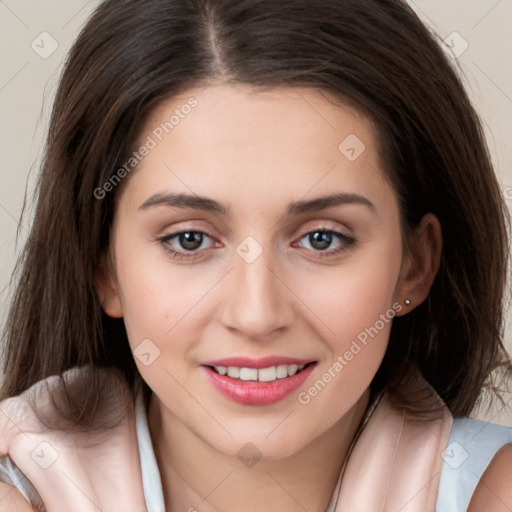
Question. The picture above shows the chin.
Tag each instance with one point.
(256, 444)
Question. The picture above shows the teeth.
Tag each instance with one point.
(221, 369)
(292, 369)
(248, 374)
(262, 375)
(282, 371)
(234, 372)
(267, 374)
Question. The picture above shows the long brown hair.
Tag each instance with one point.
(376, 55)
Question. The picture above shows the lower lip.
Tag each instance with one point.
(251, 392)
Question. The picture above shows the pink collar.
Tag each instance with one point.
(396, 462)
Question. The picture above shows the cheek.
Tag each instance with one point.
(351, 298)
(157, 302)
(354, 354)
(156, 296)
(355, 310)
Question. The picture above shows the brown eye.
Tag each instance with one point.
(320, 240)
(184, 244)
(190, 240)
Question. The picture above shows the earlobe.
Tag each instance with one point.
(421, 263)
(107, 290)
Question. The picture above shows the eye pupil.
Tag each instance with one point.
(322, 239)
(191, 240)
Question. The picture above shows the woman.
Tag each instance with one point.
(264, 271)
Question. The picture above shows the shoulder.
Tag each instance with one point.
(58, 458)
(494, 490)
(85, 397)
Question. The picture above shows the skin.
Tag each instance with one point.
(11, 500)
(494, 491)
(256, 152)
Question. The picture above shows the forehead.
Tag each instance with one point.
(280, 116)
(284, 141)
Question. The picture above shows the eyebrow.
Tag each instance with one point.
(187, 201)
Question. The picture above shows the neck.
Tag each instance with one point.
(198, 478)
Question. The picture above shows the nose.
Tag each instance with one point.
(259, 301)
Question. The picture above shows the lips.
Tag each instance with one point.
(257, 381)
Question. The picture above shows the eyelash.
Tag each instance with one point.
(345, 240)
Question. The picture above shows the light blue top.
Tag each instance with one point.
(471, 446)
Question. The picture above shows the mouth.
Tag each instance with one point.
(258, 383)
(268, 374)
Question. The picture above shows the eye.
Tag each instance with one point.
(186, 245)
(320, 240)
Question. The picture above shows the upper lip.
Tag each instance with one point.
(263, 362)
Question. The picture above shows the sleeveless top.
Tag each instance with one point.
(471, 446)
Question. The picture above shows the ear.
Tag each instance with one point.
(107, 290)
(420, 264)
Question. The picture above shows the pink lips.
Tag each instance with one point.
(255, 392)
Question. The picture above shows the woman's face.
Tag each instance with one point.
(280, 275)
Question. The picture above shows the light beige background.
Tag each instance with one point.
(28, 78)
